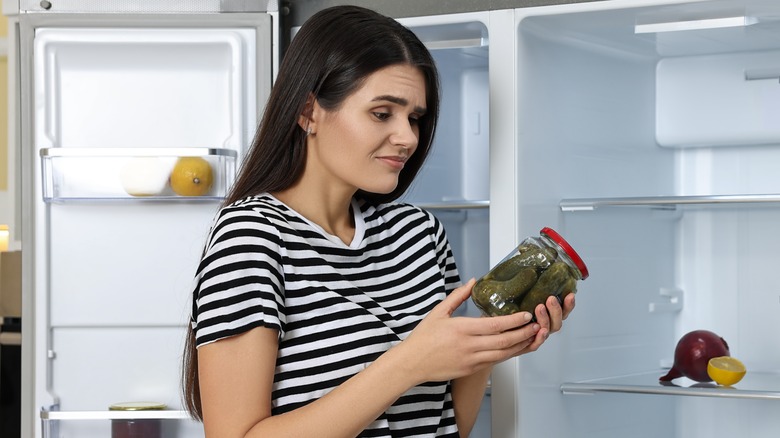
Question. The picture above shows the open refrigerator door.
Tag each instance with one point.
(134, 118)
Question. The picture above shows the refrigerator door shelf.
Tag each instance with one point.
(114, 415)
(89, 174)
(99, 423)
(755, 385)
(149, 6)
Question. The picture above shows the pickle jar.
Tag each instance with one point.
(136, 427)
(538, 268)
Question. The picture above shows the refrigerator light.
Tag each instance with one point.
(4, 237)
(708, 23)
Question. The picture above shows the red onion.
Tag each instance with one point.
(693, 351)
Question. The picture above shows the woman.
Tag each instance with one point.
(321, 308)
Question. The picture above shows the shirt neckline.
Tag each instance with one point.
(357, 215)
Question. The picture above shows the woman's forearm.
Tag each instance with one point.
(467, 395)
(236, 378)
(348, 409)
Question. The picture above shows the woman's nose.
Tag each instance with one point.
(406, 134)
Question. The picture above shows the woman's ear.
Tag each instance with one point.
(305, 119)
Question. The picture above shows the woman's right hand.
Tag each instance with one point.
(443, 347)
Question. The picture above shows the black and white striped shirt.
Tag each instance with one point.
(337, 307)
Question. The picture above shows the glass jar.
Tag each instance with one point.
(136, 427)
(538, 268)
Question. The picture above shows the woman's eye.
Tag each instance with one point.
(381, 116)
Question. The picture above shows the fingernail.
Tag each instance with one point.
(527, 316)
(536, 327)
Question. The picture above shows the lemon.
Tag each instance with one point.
(726, 370)
(191, 176)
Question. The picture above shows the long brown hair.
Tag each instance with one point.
(329, 58)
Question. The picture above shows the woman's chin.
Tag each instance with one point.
(380, 189)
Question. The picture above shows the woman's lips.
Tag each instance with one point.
(394, 162)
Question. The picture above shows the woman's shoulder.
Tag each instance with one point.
(256, 207)
(253, 214)
(253, 204)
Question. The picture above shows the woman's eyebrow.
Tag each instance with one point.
(399, 101)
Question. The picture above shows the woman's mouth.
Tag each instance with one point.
(395, 162)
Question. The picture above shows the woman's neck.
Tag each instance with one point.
(331, 211)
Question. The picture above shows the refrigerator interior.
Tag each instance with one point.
(652, 151)
(113, 270)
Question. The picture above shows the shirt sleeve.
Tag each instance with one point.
(239, 282)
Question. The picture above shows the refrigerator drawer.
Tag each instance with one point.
(136, 173)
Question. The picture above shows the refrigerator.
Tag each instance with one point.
(113, 97)
(646, 133)
(642, 131)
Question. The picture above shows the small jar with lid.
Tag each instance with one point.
(538, 268)
(136, 427)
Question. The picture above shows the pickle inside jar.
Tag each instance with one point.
(496, 297)
(557, 280)
(527, 256)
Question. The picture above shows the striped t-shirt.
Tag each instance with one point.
(337, 307)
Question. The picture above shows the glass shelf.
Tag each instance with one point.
(114, 415)
(755, 385)
(667, 202)
(89, 174)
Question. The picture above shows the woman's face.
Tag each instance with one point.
(365, 143)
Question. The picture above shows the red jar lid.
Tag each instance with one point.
(555, 237)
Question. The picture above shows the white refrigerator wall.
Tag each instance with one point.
(113, 272)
